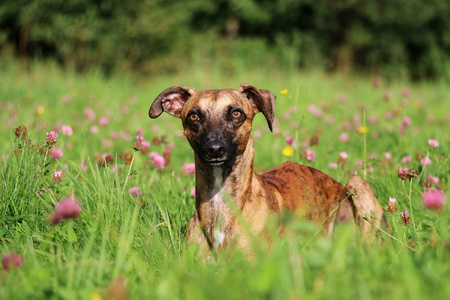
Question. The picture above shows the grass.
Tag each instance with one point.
(124, 245)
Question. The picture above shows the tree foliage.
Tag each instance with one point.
(149, 35)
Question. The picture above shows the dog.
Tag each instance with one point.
(217, 125)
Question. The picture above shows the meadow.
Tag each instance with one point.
(136, 194)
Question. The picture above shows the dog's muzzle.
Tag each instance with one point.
(215, 151)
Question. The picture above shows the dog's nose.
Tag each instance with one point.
(215, 149)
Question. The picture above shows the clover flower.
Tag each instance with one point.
(433, 199)
(433, 143)
(404, 215)
(56, 153)
(310, 155)
(134, 191)
(392, 205)
(158, 160)
(57, 176)
(12, 260)
(406, 174)
(66, 130)
(51, 137)
(68, 208)
(188, 168)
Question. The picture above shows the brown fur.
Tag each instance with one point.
(227, 181)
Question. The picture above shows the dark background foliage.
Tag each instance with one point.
(394, 37)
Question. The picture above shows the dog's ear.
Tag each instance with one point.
(171, 101)
(261, 100)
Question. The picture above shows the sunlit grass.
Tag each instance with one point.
(135, 245)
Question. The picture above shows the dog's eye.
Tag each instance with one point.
(194, 117)
(236, 114)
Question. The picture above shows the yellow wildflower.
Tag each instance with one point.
(95, 296)
(40, 110)
(284, 92)
(363, 129)
(288, 151)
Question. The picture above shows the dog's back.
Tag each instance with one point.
(304, 189)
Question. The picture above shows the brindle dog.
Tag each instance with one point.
(217, 124)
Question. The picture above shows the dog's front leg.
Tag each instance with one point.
(195, 235)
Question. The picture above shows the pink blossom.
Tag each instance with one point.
(69, 146)
(342, 98)
(51, 137)
(57, 176)
(289, 140)
(370, 169)
(406, 159)
(359, 163)
(103, 121)
(373, 119)
(388, 96)
(106, 143)
(193, 192)
(145, 146)
(355, 172)
(404, 215)
(94, 129)
(406, 122)
(388, 115)
(315, 111)
(405, 92)
(310, 155)
(433, 143)
(392, 205)
(138, 143)
(12, 260)
(333, 165)
(426, 161)
(56, 153)
(134, 191)
(433, 199)
(68, 208)
(343, 137)
(388, 155)
(66, 98)
(158, 160)
(140, 131)
(89, 114)
(343, 155)
(83, 166)
(433, 179)
(66, 130)
(188, 168)
(257, 134)
(376, 82)
(347, 126)
(155, 128)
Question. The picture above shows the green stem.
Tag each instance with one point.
(128, 175)
(365, 147)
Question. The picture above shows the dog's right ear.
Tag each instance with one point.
(171, 101)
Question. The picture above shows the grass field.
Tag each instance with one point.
(131, 243)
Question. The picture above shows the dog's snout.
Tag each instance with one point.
(215, 149)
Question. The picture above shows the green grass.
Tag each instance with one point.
(141, 239)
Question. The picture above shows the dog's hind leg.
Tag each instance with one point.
(359, 204)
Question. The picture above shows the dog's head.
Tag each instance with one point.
(217, 123)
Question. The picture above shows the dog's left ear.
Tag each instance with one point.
(261, 100)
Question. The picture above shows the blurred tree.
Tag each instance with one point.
(150, 35)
